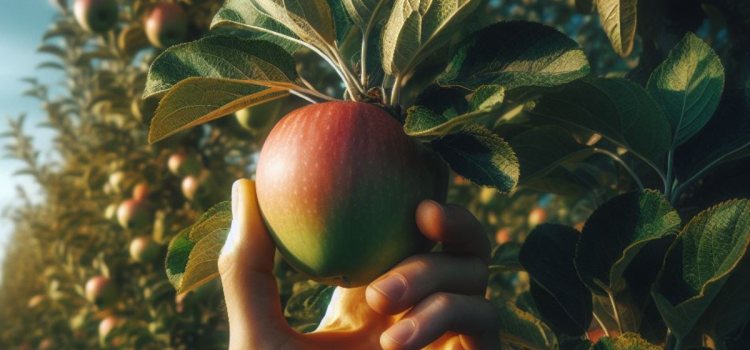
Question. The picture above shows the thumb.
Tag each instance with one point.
(246, 268)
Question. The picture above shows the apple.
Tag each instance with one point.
(45, 344)
(259, 118)
(134, 214)
(166, 25)
(111, 212)
(116, 180)
(502, 236)
(106, 326)
(537, 216)
(144, 249)
(183, 163)
(140, 191)
(24, 346)
(97, 16)
(579, 226)
(190, 187)
(143, 110)
(338, 185)
(101, 291)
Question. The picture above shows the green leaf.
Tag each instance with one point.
(563, 300)
(616, 232)
(306, 308)
(627, 341)
(245, 14)
(516, 54)
(707, 271)
(477, 154)
(540, 150)
(423, 122)
(505, 257)
(688, 86)
(193, 254)
(617, 109)
(618, 19)
(224, 57)
(726, 137)
(416, 28)
(366, 14)
(195, 101)
(521, 328)
(310, 20)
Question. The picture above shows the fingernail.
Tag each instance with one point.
(401, 332)
(393, 287)
(235, 197)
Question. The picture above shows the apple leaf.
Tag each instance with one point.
(522, 328)
(416, 28)
(305, 309)
(724, 138)
(688, 86)
(563, 300)
(505, 257)
(477, 154)
(516, 54)
(616, 232)
(193, 254)
(615, 108)
(627, 341)
(245, 14)
(366, 14)
(195, 101)
(423, 122)
(707, 270)
(221, 57)
(618, 18)
(311, 20)
(543, 148)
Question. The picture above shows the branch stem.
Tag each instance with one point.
(624, 165)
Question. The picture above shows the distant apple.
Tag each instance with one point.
(111, 212)
(259, 119)
(101, 291)
(36, 300)
(134, 214)
(107, 325)
(116, 180)
(167, 25)
(144, 249)
(537, 216)
(97, 16)
(46, 344)
(190, 187)
(502, 236)
(183, 164)
(141, 191)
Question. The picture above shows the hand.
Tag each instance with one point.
(429, 301)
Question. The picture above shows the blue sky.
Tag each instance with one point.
(22, 24)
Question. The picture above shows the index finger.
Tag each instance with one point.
(455, 227)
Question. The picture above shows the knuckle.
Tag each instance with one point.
(444, 301)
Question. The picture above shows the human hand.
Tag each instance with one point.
(429, 301)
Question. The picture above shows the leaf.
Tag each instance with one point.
(505, 257)
(245, 14)
(423, 122)
(51, 65)
(516, 54)
(706, 270)
(195, 101)
(617, 109)
(563, 300)
(627, 341)
(416, 28)
(521, 328)
(310, 20)
(225, 57)
(193, 254)
(541, 149)
(53, 50)
(308, 306)
(132, 39)
(724, 138)
(366, 14)
(477, 154)
(616, 232)
(618, 19)
(688, 86)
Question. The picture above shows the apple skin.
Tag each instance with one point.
(96, 16)
(259, 118)
(338, 185)
(107, 325)
(141, 191)
(537, 217)
(134, 214)
(144, 249)
(184, 164)
(101, 291)
(190, 187)
(166, 25)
